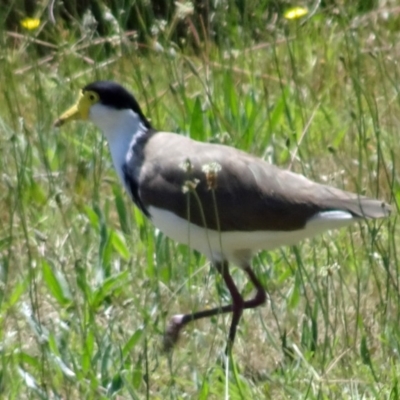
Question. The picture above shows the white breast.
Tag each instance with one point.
(122, 128)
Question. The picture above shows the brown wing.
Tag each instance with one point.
(246, 194)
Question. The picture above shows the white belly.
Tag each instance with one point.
(239, 246)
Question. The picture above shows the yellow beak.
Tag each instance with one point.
(79, 111)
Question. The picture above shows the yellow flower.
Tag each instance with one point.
(295, 12)
(30, 23)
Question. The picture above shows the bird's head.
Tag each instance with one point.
(107, 104)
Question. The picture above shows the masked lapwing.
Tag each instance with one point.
(223, 202)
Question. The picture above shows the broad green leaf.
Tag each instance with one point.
(57, 284)
(93, 217)
(137, 375)
(119, 245)
(124, 218)
(197, 129)
(108, 286)
(131, 343)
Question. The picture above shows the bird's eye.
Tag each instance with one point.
(91, 97)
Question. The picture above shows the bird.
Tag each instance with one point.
(223, 202)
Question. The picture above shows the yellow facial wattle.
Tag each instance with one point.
(80, 110)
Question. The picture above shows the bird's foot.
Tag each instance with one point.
(171, 335)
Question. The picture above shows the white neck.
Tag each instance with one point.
(121, 128)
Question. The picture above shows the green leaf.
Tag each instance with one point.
(105, 248)
(137, 375)
(37, 194)
(57, 284)
(108, 286)
(87, 354)
(93, 217)
(27, 359)
(197, 130)
(338, 139)
(277, 114)
(117, 383)
(204, 390)
(119, 245)
(124, 219)
(106, 362)
(17, 291)
(131, 343)
(364, 351)
(230, 96)
(81, 281)
(295, 295)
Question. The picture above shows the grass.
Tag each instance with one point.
(88, 285)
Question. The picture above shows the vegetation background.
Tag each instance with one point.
(87, 285)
